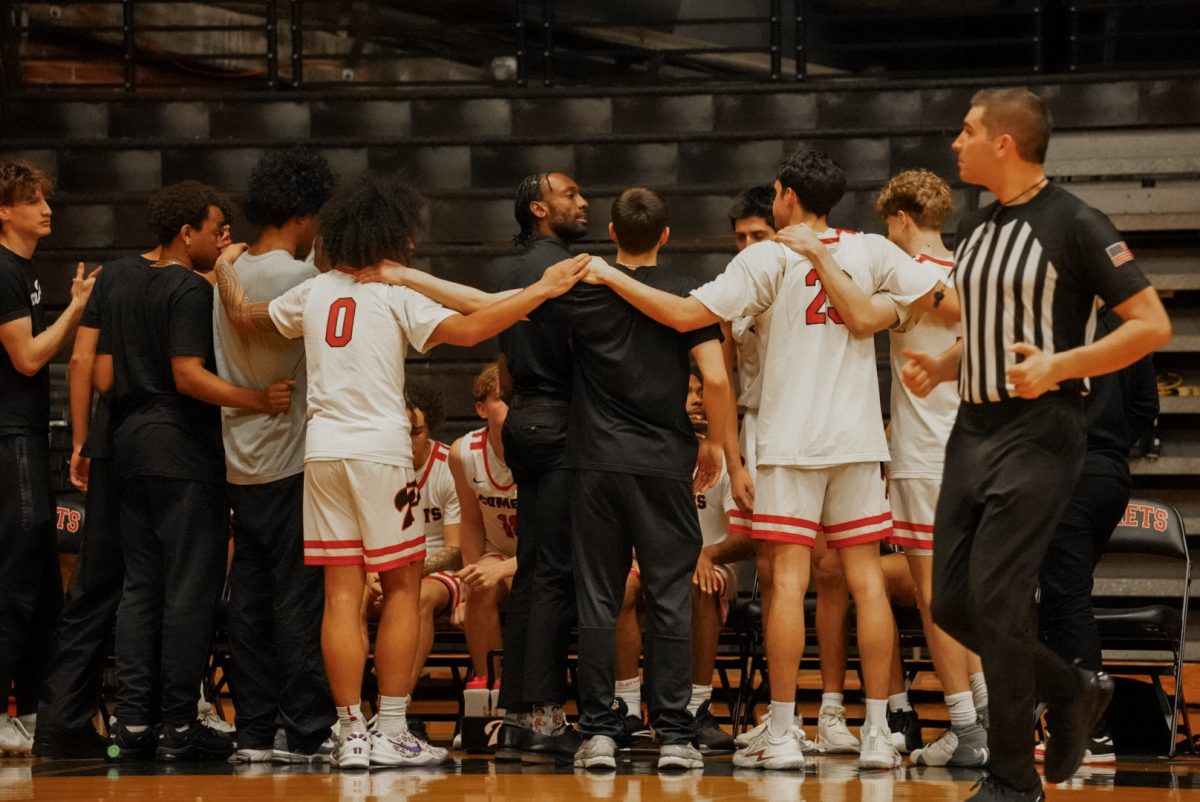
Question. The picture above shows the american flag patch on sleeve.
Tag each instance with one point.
(1119, 253)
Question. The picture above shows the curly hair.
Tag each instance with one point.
(487, 383)
(528, 191)
(179, 205)
(370, 219)
(921, 195)
(753, 202)
(20, 182)
(287, 184)
(421, 395)
(817, 180)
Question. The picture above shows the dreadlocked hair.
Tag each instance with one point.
(371, 219)
(528, 191)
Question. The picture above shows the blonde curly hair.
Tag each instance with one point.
(921, 195)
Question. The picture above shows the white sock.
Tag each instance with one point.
(631, 691)
(979, 690)
(351, 720)
(138, 729)
(832, 699)
(700, 695)
(392, 719)
(898, 701)
(781, 719)
(962, 708)
(877, 714)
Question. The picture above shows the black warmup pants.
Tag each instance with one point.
(174, 534)
(1067, 622)
(275, 608)
(614, 514)
(1010, 470)
(72, 688)
(542, 599)
(30, 582)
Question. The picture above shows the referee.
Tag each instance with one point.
(1030, 267)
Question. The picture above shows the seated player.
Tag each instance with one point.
(488, 532)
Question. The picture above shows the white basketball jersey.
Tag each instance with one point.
(713, 510)
(820, 392)
(495, 489)
(439, 499)
(920, 427)
(356, 337)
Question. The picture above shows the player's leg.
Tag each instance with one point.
(436, 598)
(482, 620)
(708, 616)
(833, 605)
(628, 687)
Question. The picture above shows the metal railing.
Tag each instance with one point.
(163, 44)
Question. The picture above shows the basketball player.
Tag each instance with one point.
(30, 585)
(488, 497)
(818, 472)
(1029, 269)
(361, 498)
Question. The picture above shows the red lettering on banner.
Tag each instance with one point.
(1145, 516)
(1160, 520)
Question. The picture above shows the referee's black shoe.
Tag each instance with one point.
(511, 741)
(80, 745)
(990, 789)
(127, 747)
(1071, 723)
(712, 739)
(194, 743)
(557, 748)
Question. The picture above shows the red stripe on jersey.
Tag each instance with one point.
(319, 560)
(782, 537)
(387, 566)
(943, 262)
(783, 519)
(408, 544)
(848, 525)
(487, 469)
(433, 457)
(869, 537)
(347, 271)
(332, 544)
(475, 446)
(911, 527)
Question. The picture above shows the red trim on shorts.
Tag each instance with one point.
(857, 540)
(783, 519)
(737, 529)
(397, 563)
(783, 537)
(855, 524)
(736, 513)
(910, 542)
(332, 544)
(911, 527)
(323, 560)
(408, 544)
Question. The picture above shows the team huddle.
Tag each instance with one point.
(614, 412)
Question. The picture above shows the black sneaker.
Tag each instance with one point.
(86, 744)
(196, 742)
(511, 741)
(990, 789)
(1071, 723)
(557, 748)
(125, 746)
(906, 730)
(635, 734)
(418, 728)
(1100, 748)
(712, 739)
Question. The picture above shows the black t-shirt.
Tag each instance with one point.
(1120, 407)
(24, 400)
(99, 444)
(1031, 273)
(537, 353)
(150, 316)
(628, 407)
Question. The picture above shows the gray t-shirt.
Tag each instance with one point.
(262, 448)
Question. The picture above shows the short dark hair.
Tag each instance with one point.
(817, 180)
(287, 184)
(20, 182)
(528, 191)
(421, 395)
(370, 219)
(639, 216)
(179, 205)
(753, 202)
(1019, 113)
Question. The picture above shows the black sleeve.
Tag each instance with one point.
(92, 314)
(1141, 397)
(703, 335)
(1104, 264)
(104, 341)
(189, 330)
(14, 295)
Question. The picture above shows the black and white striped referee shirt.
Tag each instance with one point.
(1031, 273)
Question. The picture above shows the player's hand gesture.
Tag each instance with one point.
(278, 397)
(705, 575)
(599, 272)
(81, 285)
(920, 373)
(564, 275)
(385, 272)
(800, 238)
(742, 486)
(708, 466)
(80, 466)
(1034, 375)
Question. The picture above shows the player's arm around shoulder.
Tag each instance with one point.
(241, 312)
(679, 313)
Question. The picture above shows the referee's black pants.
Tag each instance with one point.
(175, 535)
(275, 608)
(71, 692)
(614, 514)
(1065, 615)
(30, 581)
(542, 598)
(1010, 470)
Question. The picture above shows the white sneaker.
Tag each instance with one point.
(352, 752)
(403, 750)
(878, 751)
(957, 746)
(679, 756)
(15, 739)
(207, 716)
(597, 752)
(764, 753)
(252, 756)
(284, 753)
(833, 736)
(745, 738)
